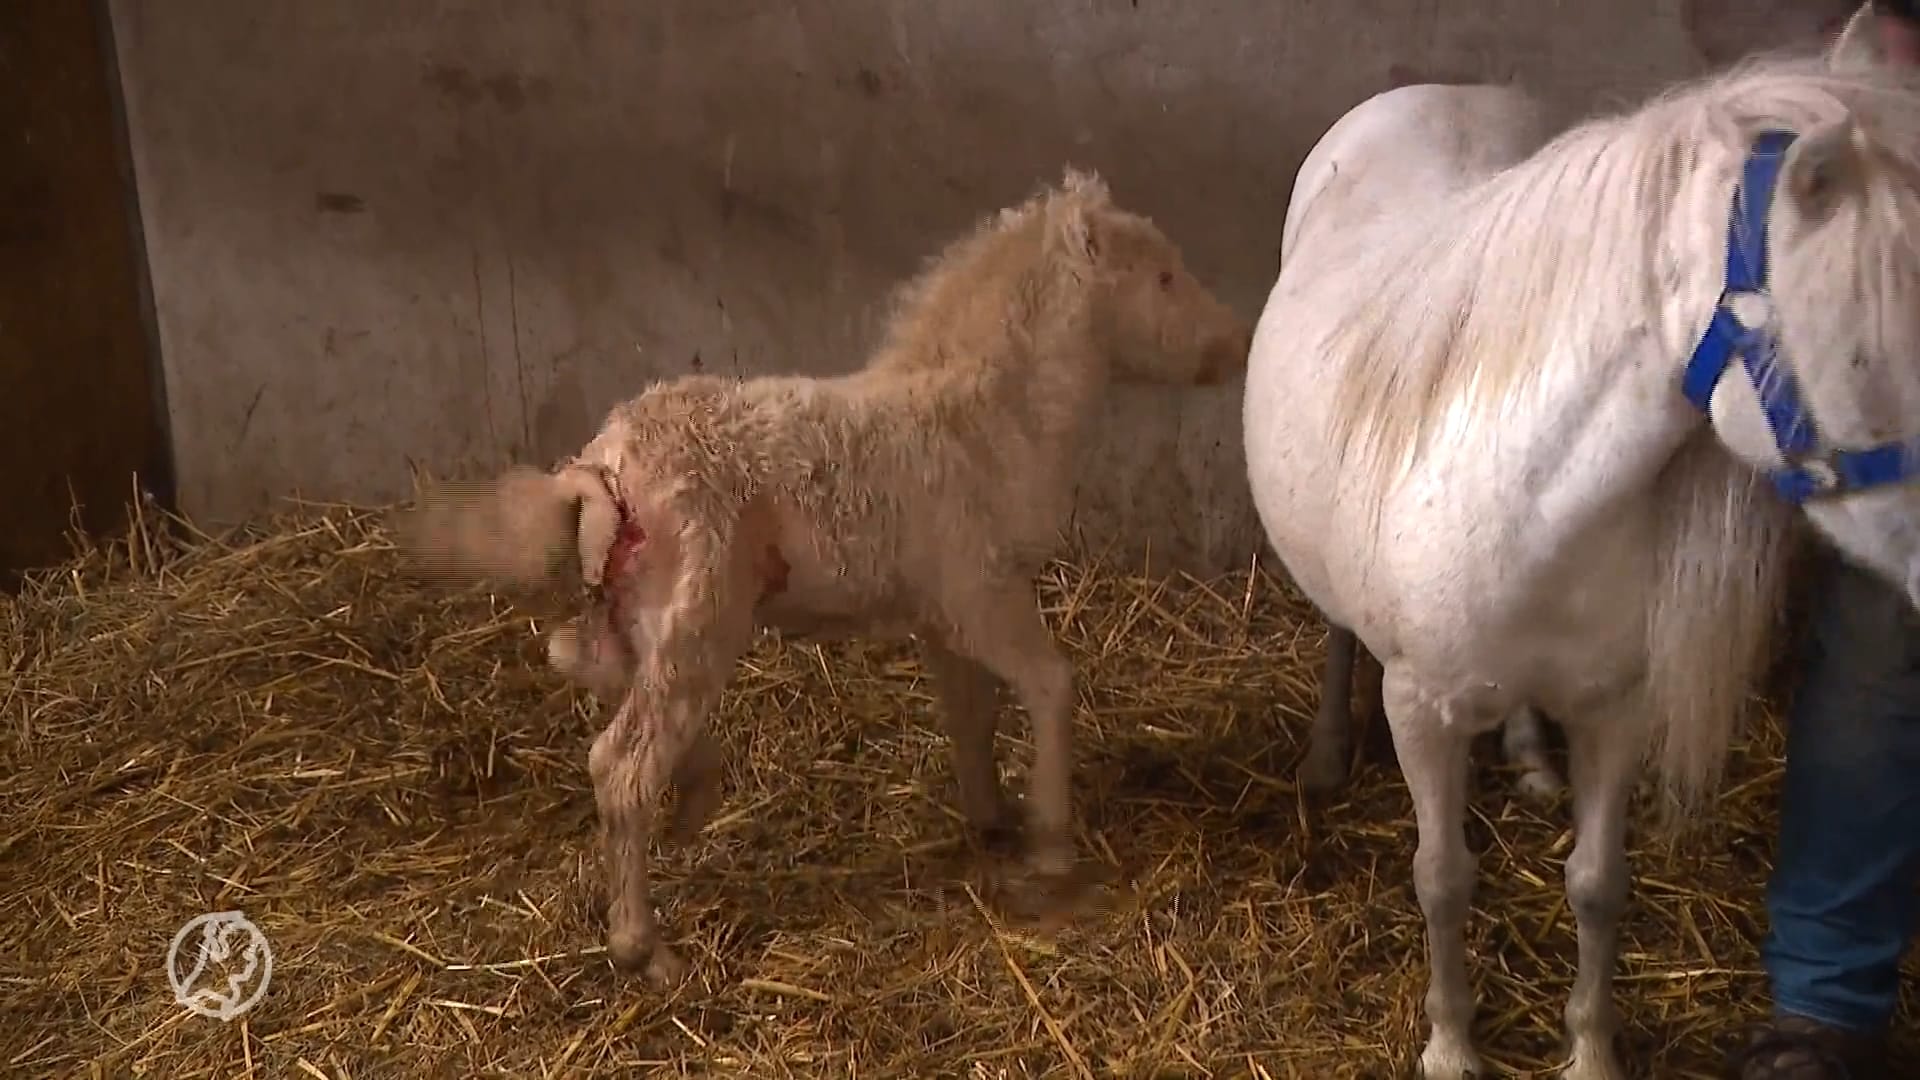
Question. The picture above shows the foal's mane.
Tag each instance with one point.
(977, 301)
(1462, 311)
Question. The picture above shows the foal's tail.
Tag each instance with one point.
(1719, 592)
(525, 528)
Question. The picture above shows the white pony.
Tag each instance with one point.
(1510, 126)
(1475, 433)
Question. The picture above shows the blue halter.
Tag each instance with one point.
(1810, 472)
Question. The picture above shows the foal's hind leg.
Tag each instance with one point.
(1434, 758)
(1524, 743)
(1602, 758)
(969, 710)
(1329, 741)
(630, 763)
(697, 781)
(999, 625)
(686, 656)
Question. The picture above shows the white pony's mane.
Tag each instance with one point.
(1573, 245)
(1457, 318)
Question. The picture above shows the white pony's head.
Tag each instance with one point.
(1836, 421)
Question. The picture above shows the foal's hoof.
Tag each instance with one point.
(662, 966)
(1049, 891)
(998, 833)
(999, 838)
(1051, 862)
(1047, 904)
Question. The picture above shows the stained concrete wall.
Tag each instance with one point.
(456, 232)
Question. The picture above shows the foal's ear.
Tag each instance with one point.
(1823, 168)
(1083, 195)
(1085, 184)
(1857, 46)
(1077, 230)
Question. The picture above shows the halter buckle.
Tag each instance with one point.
(1820, 474)
(1751, 309)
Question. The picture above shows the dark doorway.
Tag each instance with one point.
(81, 407)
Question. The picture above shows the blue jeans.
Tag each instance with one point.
(1842, 903)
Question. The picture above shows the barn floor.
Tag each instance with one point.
(391, 787)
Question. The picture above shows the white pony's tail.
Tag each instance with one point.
(520, 529)
(1720, 584)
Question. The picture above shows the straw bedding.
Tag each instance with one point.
(389, 784)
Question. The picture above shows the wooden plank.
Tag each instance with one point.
(80, 405)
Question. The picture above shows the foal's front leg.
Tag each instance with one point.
(1434, 759)
(1000, 626)
(969, 711)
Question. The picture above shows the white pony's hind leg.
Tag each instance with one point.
(1329, 741)
(1524, 743)
(1434, 758)
(1603, 757)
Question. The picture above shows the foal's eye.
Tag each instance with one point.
(1166, 279)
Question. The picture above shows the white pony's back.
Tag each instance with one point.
(1449, 133)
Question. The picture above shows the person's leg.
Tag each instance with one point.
(1841, 902)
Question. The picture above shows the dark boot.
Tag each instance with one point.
(1796, 1048)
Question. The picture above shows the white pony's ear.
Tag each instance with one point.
(1822, 169)
(1857, 46)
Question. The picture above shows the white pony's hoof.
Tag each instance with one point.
(1449, 1059)
(1591, 1062)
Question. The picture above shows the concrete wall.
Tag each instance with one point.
(456, 232)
